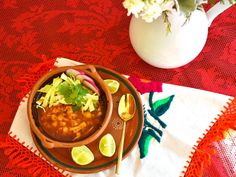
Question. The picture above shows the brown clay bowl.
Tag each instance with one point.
(33, 115)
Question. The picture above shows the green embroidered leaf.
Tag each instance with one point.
(149, 130)
(150, 99)
(144, 144)
(157, 103)
(153, 114)
(161, 106)
(154, 135)
(148, 124)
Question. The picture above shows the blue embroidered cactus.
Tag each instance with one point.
(158, 108)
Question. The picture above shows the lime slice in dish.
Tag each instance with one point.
(82, 155)
(107, 145)
(113, 85)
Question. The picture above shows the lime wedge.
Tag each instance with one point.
(107, 145)
(82, 155)
(113, 85)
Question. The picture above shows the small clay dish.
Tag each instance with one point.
(34, 114)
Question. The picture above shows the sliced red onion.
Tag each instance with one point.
(74, 72)
(80, 77)
(83, 78)
(92, 86)
(86, 77)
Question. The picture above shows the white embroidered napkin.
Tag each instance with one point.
(189, 115)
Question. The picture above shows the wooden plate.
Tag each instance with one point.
(61, 157)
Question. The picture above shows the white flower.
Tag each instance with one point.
(134, 6)
(153, 10)
(150, 10)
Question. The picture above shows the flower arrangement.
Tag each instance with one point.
(150, 10)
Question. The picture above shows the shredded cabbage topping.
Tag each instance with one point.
(69, 91)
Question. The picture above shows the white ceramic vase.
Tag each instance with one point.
(171, 50)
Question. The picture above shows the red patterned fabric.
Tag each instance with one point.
(224, 158)
(22, 157)
(204, 149)
(93, 31)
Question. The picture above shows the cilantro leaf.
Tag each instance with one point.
(73, 93)
(65, 89)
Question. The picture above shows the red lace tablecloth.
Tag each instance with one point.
(96, 32)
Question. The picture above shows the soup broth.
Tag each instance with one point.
(62, 123)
